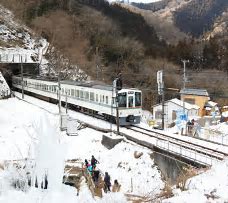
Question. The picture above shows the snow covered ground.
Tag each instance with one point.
(210, 186)
(18, 139)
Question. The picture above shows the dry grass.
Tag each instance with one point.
(184, 176)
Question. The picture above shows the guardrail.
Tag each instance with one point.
(191, 154)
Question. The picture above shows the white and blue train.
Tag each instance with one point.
(87, 97)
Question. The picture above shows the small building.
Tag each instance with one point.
(197, 97)
(171, 108)
(211, 108)
(4, 88)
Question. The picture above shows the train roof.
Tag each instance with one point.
(95, 85)
(90, 84)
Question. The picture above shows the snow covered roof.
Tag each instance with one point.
(225, 114)
(186, 105)
(18, 55)
(198, 92)
(211, 104)
(180, 103)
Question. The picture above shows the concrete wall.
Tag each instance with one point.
(171, 165)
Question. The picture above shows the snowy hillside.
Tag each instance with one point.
(19, 137)
(18, 41)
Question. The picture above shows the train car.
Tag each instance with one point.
(90, 97)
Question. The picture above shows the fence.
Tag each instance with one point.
(191, 154)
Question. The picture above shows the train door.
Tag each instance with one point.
(130, 99)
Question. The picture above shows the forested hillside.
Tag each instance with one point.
(198, 16)
(104, 39)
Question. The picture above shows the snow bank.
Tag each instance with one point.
(211, 186)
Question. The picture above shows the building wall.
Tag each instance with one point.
(199, 101)
(170, 107)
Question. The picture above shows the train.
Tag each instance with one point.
(90, 97)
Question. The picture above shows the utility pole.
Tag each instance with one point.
(163, 107)
(22, 79)
(66, 104)
(59, 95)
(162, 93)
(184, 80)
(97, 66)
(117, 86)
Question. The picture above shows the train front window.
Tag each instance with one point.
(130, 101)
(138, 100)
(122, 97)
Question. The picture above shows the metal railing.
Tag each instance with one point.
(191, 154)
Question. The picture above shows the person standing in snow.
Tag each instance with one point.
(96, 175)
(90, 169)
(93, 161)
(107, 182)
(86, 163)
(116, 186)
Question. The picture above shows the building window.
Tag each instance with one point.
(189, 100)
(158, 114)
(174, 115)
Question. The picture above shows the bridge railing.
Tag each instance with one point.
(192, 154)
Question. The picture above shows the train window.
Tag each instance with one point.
(103, 98)
(122, 99)
(77, 93)
(106, 99)
(130, 101)
(96, 97)
(138, 100)
(91, 96)
(81, 94)
(72, 92)
(100, 98)
(87, 95)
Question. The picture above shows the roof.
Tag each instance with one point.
(180, 103)
(211, 104)
(18, 56)
(198, 92)
(186, 104)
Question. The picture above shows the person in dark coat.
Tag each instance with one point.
(107, 182)
(86, 163)
(93, 161)
(96, 174)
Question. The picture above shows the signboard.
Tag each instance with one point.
(160, 76)
(160, 82)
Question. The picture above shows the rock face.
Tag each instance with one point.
(110, 142)
(4, 88)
